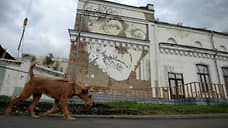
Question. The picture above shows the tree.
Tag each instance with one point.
(48, 59)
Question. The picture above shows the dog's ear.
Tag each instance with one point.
(84, 91)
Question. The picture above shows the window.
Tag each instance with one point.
(198, 44)
(61, 69)
(176, 84)
(54, 68)
(172, 41)
(203, 76)
(223, 48)
(225, 74)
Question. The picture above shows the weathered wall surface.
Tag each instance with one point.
(116, 9)
(172, 48)
(185, 64)
(110, 63)
(114, 19)
(184, 36)
(115, 27)
(221, 42)
(113, 65)
(182, 55)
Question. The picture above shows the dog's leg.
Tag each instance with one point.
(36, 98)
(26, 93)
(65, 109)
(54, 109)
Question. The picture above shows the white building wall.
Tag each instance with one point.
(16, 75)
(185, 54)
(220, 40)
(184, 36)
(176, 63)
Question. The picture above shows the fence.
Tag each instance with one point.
(186, 91)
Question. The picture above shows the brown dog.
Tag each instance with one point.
(59, 89)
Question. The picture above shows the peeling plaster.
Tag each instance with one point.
(109, 58)
(114, 27)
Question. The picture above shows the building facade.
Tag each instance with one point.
(123, 46)
(57, 64)
(15, 73)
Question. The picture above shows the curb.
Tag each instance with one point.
(153, 117)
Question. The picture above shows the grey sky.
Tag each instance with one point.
(49, 20)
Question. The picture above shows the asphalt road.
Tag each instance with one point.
(59, 122)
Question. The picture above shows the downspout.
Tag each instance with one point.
(216, 52)
(78, 40)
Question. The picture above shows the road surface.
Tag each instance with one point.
(59, 122)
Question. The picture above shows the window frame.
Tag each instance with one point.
(177, 94)
(203, 77)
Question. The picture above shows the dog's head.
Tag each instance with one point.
(86, 97)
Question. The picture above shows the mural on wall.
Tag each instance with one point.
(118, 65)
(116, 27)
(114, 64)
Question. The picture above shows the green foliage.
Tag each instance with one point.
(5, 99)
(48, 59)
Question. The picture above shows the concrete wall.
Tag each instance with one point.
(16, 75)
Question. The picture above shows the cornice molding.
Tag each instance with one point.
(111, 40)
(180, 50)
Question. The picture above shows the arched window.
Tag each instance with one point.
(172, 41)
(223, 48)
(198, 44)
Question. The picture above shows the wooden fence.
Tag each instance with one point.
(190, 90)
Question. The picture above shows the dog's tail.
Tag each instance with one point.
(30, 70)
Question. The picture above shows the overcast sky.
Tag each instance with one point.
(49, 21)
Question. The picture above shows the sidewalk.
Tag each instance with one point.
(155, 117)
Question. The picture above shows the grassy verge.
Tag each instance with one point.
(171, 109)
(5, 99)
(125, 108)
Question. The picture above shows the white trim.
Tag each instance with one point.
(108, 37)
(151, 55)
(157, 54)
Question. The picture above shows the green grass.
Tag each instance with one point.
(5, 99)
(148, 109)
(171, 109)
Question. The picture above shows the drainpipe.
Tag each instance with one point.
(216, 52)
(78, 40)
